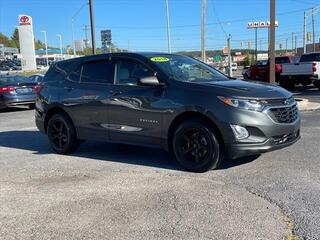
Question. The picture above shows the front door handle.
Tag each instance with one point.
(115, 92)
(68, 88)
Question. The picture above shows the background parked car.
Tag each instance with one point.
(304, 72)
(246, 72)
(17, 90)
(260, 70)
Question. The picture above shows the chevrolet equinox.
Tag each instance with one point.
(163, 100)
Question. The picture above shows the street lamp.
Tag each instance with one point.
(60, 40)
(168, 26)
(45, 42)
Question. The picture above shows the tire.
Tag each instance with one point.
(288, 84)
(316, 83)
(32, 106)
(196, 146)
(61, 134)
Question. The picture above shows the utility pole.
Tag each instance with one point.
(295, 44)
(168, 26)
(286, 45)
(272, 41)
(72, 27)
(60, 41)
(203, 31)
(86, 41)
(46, 45)
(304, 31)
(73, 40)
(313, 36)
(292, 43)
(256, 43)
(229, 56)
(128, 45)
(260, 47)
(93, 38)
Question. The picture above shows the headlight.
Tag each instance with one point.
(253, 105)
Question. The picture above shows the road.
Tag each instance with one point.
(108, 191)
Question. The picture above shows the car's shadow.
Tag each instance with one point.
(37, 143)
(14, 109)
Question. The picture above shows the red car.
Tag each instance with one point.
(260, 70)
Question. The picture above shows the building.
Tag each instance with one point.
(79, 45)
(106, 40)
(309, 48)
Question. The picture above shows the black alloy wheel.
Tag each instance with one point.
(61, 134)
(196, 146)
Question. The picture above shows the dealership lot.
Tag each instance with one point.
(123, 192)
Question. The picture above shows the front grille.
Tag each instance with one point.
(284, 114)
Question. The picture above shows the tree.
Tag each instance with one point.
(15, 38)
(39, 45)
(4, 40)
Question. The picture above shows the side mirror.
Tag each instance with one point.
(150, 81)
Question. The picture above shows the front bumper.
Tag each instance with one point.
(238, 150)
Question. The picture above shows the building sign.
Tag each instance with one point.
(26, 41)
(261, 24)
(106, 39)
(24, 20)
(225, 51)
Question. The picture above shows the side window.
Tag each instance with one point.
(129, 72)
(97, 72)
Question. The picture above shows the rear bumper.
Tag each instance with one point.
(39, 120)
(17, 101)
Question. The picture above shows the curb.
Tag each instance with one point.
(305, 105)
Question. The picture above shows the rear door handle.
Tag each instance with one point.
(68, 88)
(115, 92)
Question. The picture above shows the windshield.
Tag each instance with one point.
(187, 69)
(8, 80)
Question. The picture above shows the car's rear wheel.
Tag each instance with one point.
(61, 134)
(196, 146)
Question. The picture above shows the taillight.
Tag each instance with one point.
(314, 67)
(37, 88)
(7, 89)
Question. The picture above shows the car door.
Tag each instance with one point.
(135, 113)
(87, 92)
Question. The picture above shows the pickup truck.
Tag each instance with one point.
(305, 72)
(260, 70)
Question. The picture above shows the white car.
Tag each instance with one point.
(234, 66)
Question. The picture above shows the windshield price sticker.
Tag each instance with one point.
(159, 59)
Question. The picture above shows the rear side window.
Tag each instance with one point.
(315, 57)
(97, 72)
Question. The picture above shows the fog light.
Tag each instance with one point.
(239, 132)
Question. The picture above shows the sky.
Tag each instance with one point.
(140, 25)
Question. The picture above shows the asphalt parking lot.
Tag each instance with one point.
(108, 191)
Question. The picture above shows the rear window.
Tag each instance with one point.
(314, 57)
(8, 80)
(280, 60)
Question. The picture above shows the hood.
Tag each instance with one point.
(245, 89)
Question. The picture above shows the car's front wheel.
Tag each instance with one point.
(61, 134)
(196, 146)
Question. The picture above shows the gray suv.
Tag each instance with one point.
(163, 100)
